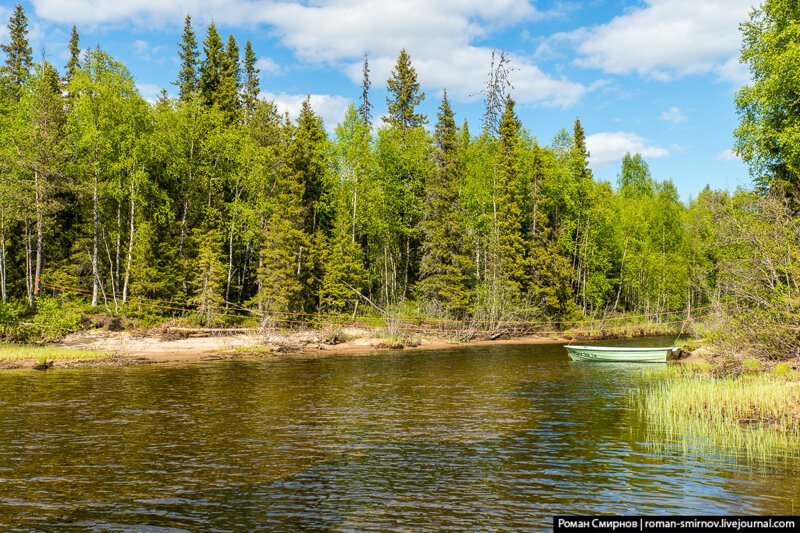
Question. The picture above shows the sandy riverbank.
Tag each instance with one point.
(126, 349)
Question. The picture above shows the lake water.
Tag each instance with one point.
(476, 437)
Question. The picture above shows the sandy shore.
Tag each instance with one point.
(126, 349)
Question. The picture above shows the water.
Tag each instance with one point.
(477, 438)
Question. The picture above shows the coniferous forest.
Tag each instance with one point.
(214, 205)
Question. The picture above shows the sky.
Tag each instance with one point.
(657, 77)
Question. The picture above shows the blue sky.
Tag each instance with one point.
(655, 76)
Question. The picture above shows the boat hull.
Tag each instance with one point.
(619, 355)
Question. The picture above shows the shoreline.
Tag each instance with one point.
(121, 349)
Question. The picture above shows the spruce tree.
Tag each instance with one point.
(74, 56)
(343, 272)
(187, 81)
(580, 154)
(19, 55)
(251, 79)
(210, 277)
(212, 65)
(284, 245)
(365, 109)
(446, 263)
(404, 96)
(227, 95)
(509, 247)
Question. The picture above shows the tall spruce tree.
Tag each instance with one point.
(74, 56)
(365, 108)
(230, 82)
(404, 95)
(19, 55)
(251, 80)
(284, 243)
(187, 81)
(446, 263)
(211, 68)
(509, 264)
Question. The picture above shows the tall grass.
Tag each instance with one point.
(12, 352)
(757, 416)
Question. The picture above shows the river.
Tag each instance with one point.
(475, 438)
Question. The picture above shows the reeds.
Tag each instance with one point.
(757, 416)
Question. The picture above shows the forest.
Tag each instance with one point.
(216, 207)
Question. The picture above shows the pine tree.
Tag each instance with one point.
(19, 55)
(187, 81)
(74, 56)
(211, 68)
(446, 264)
(404, 96)
(251, 80)
(365, 109)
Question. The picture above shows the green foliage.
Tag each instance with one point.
(74, 56)
(187, 81)
(404, 96)
(634, 178)
(768, 136)
(251, 80)
(446, 265)
(197, 207)
(209, 278)
(18, 52)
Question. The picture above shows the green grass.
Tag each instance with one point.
(10, 352)
(245, 350)
(757, 415)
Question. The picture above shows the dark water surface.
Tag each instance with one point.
(475, 438)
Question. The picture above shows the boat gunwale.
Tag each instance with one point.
(620, 348)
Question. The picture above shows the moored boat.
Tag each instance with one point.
(619, 354)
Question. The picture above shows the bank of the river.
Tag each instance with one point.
(101, 347)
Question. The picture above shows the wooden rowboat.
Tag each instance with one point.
(617, 354)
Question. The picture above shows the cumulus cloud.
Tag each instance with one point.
(674, 115)
(728, 155)
(268, 66)
(440, 36)
(330, 107)
(609, 147)
(666, 39)
(149, 91)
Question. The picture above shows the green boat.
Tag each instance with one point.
(616, 354)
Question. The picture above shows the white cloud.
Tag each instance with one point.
(608, 147)
(666, 39)
(329, 106)
(149, 91)
(4, 15)
(146, 51)
(440, 35)
(728, 155)
(268, 66)
(674, 115)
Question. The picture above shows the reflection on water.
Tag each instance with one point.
(475, 437)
